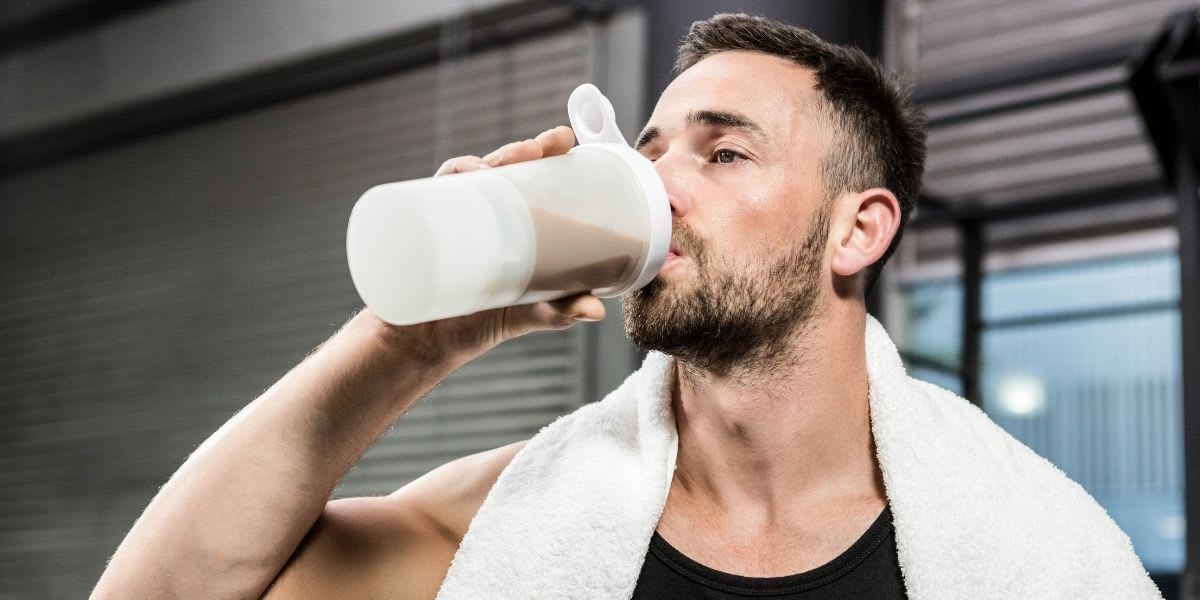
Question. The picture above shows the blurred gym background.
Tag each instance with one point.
(175, 179)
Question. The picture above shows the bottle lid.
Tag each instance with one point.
(595, 124)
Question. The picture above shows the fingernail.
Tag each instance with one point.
(585, 319)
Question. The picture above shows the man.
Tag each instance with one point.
(791, 167)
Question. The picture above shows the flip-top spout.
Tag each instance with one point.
(592, 117)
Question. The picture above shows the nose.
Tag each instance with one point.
(672, 181)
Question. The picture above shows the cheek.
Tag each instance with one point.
(770, 218)
(745, 201)
(757, 212)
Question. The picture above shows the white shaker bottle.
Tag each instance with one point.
(595, 219)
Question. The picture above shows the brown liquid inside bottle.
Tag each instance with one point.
(574, 255)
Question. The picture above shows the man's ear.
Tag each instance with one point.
(864, 225)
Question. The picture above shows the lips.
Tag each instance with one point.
(673, 254)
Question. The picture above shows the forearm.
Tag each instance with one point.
(232, 515)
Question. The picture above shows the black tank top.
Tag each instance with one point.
(867, 570)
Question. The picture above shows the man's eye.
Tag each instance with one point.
(726, 156)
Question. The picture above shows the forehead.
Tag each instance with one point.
(774, 92)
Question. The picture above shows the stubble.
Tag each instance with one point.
(732, 318)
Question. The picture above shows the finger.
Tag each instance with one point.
(461, 164)
(583, 307)
(556, 141)
(514, 152)
(557, 314)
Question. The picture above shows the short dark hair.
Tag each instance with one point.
(881, 129)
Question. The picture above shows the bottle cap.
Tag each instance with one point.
(595, 124)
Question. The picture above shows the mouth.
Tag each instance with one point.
(673, 254)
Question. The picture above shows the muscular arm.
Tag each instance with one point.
(233, 515)
(397, 547)
(235, 511)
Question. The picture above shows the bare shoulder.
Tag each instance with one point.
(452, 493)
(396, 546)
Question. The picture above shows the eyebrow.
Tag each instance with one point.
(707, 118)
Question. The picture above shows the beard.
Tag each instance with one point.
(731, 318)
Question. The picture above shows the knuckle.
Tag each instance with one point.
(464, 163)
(562, 321)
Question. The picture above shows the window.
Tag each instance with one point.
(1080, 362)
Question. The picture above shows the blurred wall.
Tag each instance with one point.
(186, 45)
(855, 22)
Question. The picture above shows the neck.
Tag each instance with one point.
(792, 436)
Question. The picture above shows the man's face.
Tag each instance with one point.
(738, 141)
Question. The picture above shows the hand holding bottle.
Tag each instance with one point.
(540, 224)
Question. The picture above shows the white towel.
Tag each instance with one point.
(977, 514)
